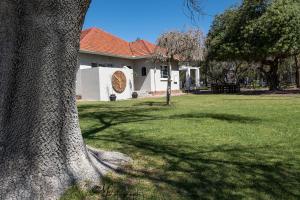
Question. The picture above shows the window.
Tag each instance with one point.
(164, 72)
(104, 64)
(94, 64)
(144, 71)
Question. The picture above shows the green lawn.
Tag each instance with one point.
(202, 147)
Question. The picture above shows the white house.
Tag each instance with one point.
(110, 65)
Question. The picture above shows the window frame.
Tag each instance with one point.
(144, 71)
(164, 72)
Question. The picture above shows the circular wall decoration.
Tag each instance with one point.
(119, 81)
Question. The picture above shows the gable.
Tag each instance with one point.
(95, 40)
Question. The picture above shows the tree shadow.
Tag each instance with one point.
(217, 116)
(151, 103)
(268, 92)
(230, 171)
(114, 116)
(252, 92)
(108, 117)
(239, 172)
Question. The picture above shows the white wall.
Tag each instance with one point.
(97, 86)
(142, 83)
(106, 88)
(160, 84)
(153, 82)
(95, 83)
(90, 84)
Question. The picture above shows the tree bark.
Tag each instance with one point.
(273, 77)
(42, 152)
(169, 85)
(297, 72)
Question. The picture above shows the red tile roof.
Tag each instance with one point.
(98, 41)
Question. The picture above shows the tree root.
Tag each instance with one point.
(87, 172)
(109, 161)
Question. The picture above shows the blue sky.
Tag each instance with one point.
(147, 19)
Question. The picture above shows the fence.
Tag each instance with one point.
(225, 88)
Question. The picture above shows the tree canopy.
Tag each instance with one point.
(256, 31)
(179, 45)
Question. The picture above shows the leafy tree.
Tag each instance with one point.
(175, 46)
(265, 31)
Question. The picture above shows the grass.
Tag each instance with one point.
(202, 147)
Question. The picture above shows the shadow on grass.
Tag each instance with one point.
(217, 172)
(113, 116)
(216, 116)
(152, 103)
(195, 172)
(251, 92)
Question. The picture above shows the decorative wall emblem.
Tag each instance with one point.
(119, 81)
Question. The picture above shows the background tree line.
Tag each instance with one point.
(249, 74)
(257, 42)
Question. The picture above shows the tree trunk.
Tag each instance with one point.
(41, 147)
(169, 89)
(273, 77)
(205, 73)
(297, 72)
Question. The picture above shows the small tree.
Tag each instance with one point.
(175, 46)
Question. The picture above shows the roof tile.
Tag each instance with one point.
(98, 41)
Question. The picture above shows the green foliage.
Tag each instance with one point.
(256, 31)
(226, 72)
(287, 71)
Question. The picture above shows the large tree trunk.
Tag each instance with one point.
(273, 77)
(41, 148)
(297, 72)
(169, 89)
